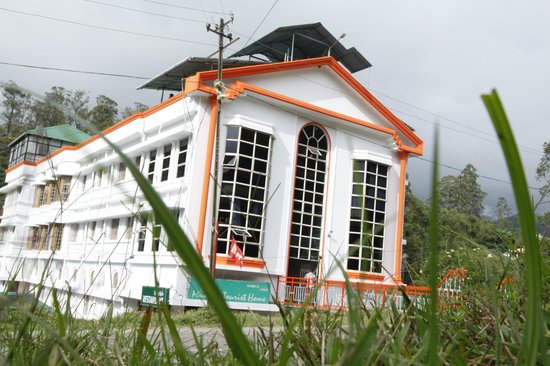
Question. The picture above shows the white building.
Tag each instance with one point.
(312, 171)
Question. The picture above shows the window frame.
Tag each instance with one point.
(366, 221)
(242, 205)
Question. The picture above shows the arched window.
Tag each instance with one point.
(309, 196)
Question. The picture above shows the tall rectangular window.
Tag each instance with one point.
(56, 236)
(137, 161)
(367, 216)
(151, 169)
(38, 194)
(91, 230)
(142, 235)
(51, 192)
(182, 157)
(243, 193)
(65, 183)
(129, 226)
(34, 236)
(74, 233)
(121, 172)
(114, 229)
(165, 169)
(157, 230)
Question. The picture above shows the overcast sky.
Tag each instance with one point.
(431, 61)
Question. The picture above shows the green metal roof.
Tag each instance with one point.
(61, 132)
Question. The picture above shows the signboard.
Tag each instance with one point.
(149, 295)
(236, 291)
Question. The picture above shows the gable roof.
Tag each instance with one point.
(197, 82)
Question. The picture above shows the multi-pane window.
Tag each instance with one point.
(157, 230)
(34, 237)
(39, 196)
(165, 169)
(243, 193)
(114, 229)
(151, 169)
(53, 192)
(74, 233)
(56, 236)
(367, 216)
(121, 172)
(142, 234)
(65, 184)
(129, 226)
(182, 157)
(309, 191)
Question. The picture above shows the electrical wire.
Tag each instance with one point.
(144, 11)
(74, 70)
(261, 22)
(106, 28)
(184, 7)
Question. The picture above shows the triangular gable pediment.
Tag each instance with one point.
(319, 84)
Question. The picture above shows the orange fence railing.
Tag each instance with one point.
(333, 294)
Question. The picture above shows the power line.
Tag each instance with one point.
(523, 148)
(479, 175)
(185, 7)
(144, 11)
(261, 22)
(105, 28)
(74, 71)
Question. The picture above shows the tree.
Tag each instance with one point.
(76, 103)
(104, 114)
(51, 110)
(463, 192)
(503, 211)
(543, 174)
(138, 107)
(15, 109)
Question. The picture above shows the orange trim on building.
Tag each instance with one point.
(206, 175)
(400, 216)
(365, 276)
(197, 80)
(21, 163)
(168, 102)
(247, 262)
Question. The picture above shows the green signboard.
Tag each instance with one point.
(236, 291)
(149, 295)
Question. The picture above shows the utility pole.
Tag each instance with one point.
(218, 84)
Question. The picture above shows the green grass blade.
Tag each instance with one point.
(532, 257)
(433, 326)
(182, 354)
(236, 340)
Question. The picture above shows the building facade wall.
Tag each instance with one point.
(104, 236)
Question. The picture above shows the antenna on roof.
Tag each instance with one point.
(338, 40)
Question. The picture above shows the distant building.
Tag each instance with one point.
(312, 171)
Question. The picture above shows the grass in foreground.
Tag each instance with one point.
(491, 327)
